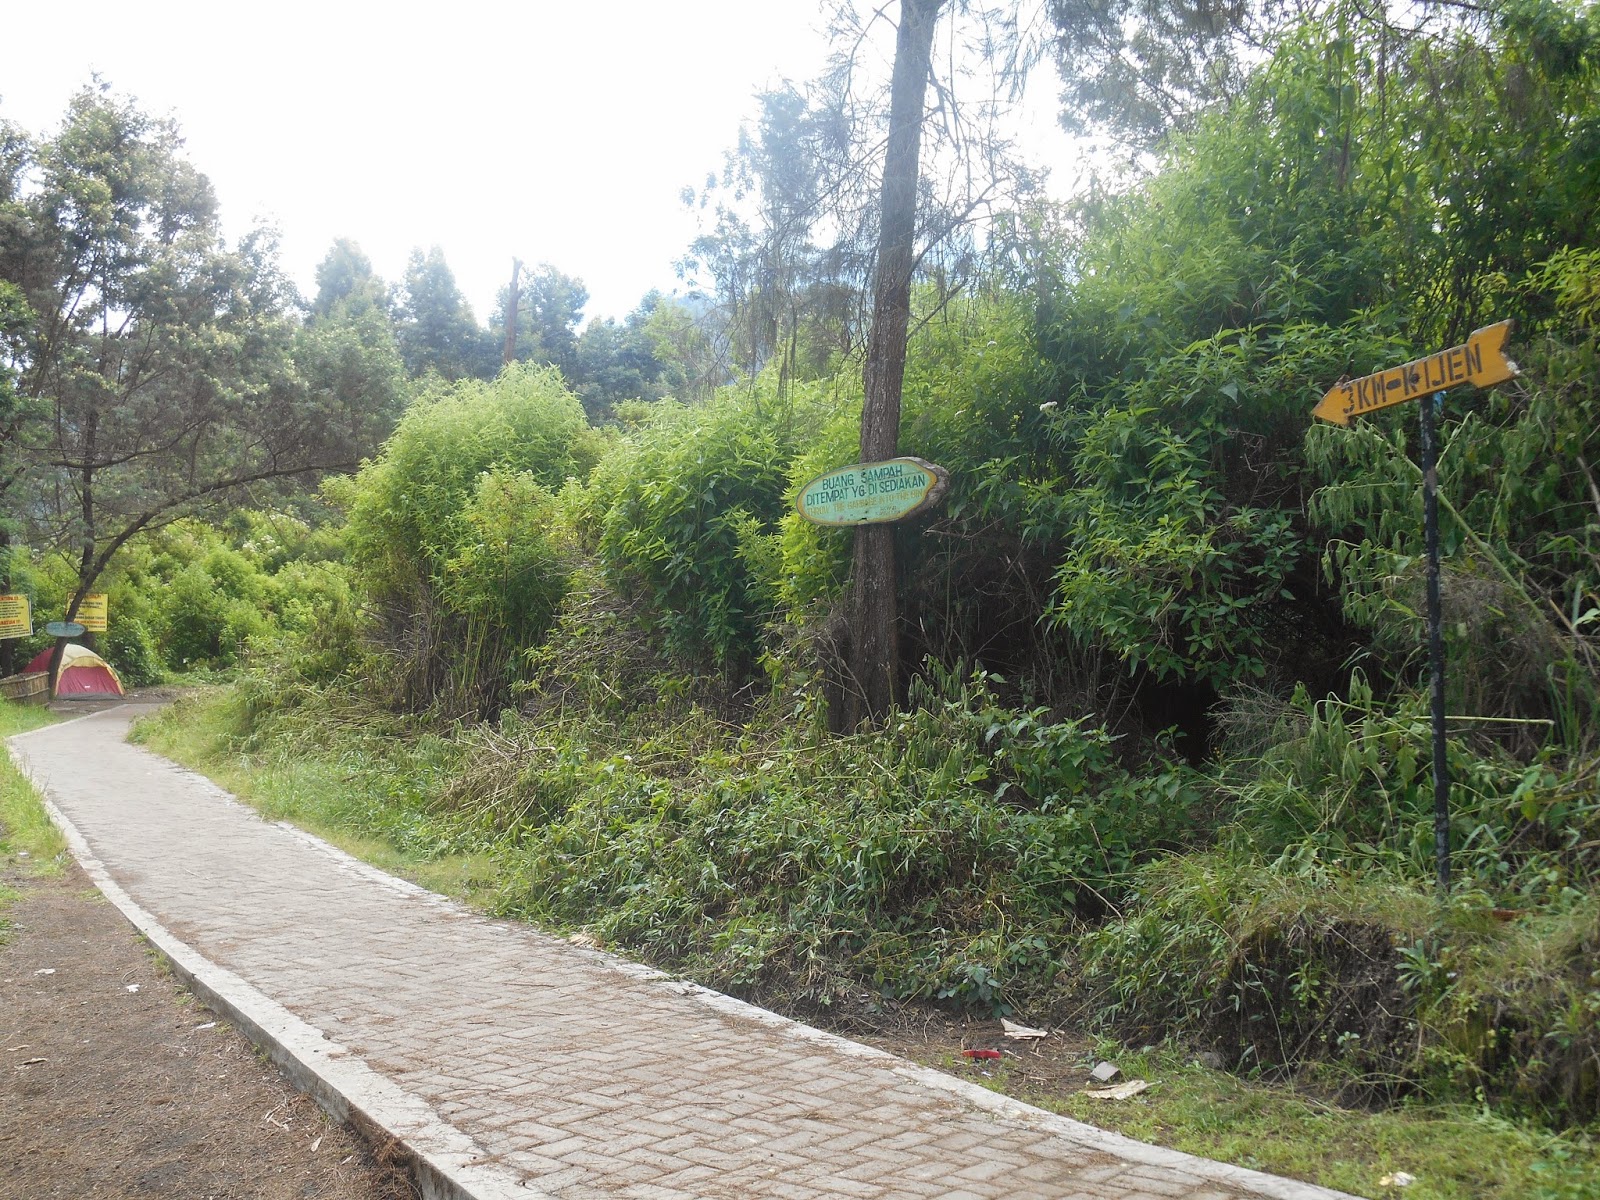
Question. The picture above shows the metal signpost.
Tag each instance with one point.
(873, 493)
(1481, 362)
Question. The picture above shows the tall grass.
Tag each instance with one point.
(26, 826)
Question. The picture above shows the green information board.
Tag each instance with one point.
(871, 493)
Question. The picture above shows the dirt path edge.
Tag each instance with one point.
(444, 1163)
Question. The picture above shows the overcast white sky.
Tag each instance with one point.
(559, 132)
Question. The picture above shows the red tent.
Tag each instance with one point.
(83, 673)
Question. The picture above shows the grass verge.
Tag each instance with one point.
(27, 838)
(373, 792)
(1450, 1153)
(27, 831)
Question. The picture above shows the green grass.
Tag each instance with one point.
(1452, 1153)
(26, 827)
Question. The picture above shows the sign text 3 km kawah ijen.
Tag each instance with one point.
(1482, 362)
(870, 493)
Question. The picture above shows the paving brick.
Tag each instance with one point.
(982, 1172)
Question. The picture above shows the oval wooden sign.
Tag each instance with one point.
(873, 493)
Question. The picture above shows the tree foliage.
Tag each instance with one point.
(155, 361)
(437, 331)
(347, 285)
(788, 251)
(346, 353)
(790, 226)
(549, 308)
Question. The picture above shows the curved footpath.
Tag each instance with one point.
(515, 1065)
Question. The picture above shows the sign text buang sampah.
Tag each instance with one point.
(868, 493)
(886, 479)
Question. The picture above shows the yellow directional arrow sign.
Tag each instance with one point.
(1482, 362)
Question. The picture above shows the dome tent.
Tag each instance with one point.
(84, 674)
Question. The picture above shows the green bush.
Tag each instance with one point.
(450, 533)
(944, 857)
(205, 619)
(1351, 779)
(1278, 965)
(202, 598)
(129, 647)
(1311, 961)
(316, 637)
(686, 504)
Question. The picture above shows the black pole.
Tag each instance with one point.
(1430, 533)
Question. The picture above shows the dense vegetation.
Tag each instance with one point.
(1163, 760)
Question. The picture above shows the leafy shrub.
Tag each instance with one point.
(684, 504)
(204, 621)
(450, 534)
(1306, 962)
(799, 861)
(202, 598)
(129, 647)
(1157, 569)
(1277, 965)
(317, 638)
(1352, 779)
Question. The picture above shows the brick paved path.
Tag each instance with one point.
(517, 1064)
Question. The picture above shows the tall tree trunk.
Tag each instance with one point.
(86, 569)
(508, 354)
(875, 616)
(8, 646)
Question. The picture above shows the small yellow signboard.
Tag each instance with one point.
(92, 612)
(16, 616)
(1482, 362)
